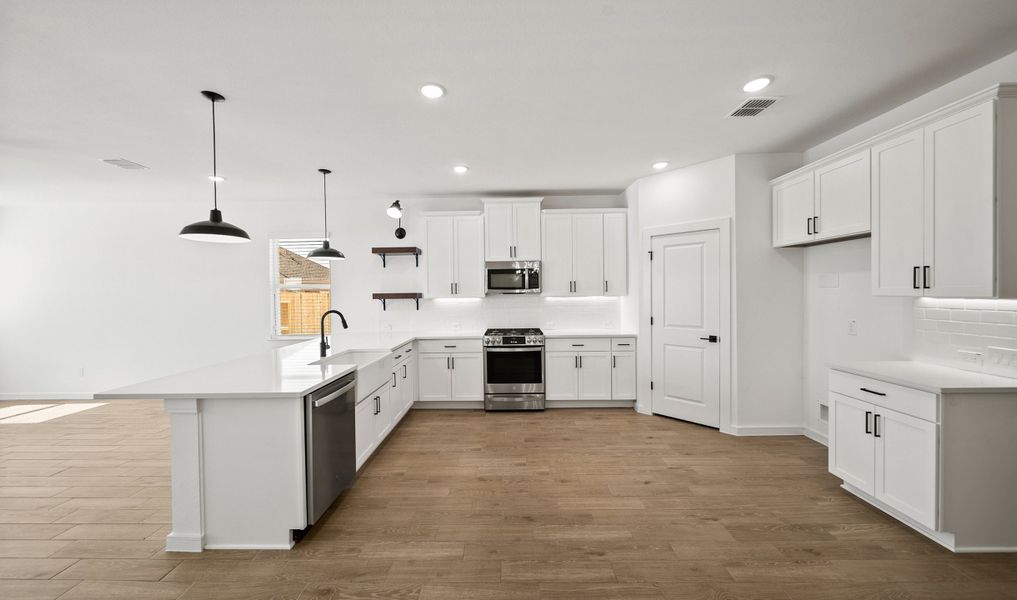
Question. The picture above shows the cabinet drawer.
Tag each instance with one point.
(447, 346)
(578, 344)
(402, 353)
(623, 344)
(923, 405)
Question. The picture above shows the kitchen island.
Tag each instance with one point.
(237, 441)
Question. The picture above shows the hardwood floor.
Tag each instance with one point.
(585, 504)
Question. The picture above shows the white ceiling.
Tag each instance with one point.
(555, 96)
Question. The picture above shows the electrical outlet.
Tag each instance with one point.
(970, 356)
(1003, 357)
(852, 327)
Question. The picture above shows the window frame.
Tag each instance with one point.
(275, 287)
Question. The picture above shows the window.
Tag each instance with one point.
(300, 288)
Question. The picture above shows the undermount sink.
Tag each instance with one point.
(372, 369)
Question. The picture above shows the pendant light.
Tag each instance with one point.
(325, 252)
(214, 229)
(395, 210)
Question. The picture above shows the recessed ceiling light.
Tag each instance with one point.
(660, 165)
(432, 91)
(460, 169)
(758, 83)
(217, 178)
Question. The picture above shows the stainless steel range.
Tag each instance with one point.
(514, 369)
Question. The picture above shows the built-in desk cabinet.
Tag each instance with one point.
(940, 463)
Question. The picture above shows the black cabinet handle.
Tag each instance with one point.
(578, 345)
(576, 361)
(808, 225)
(815, 225)
(580, 362)
(393, 379)
(450, 346)
(914, 278)
(925, 277)
(453, 363)
(448, 362)
(875, 426)
(620, 344)
(398, 356)
(868, 426)
(404, 371)
(614, 362)
(872, 392)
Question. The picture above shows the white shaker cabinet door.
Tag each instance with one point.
(588, 254)
(367, 438)
(898, 174)
(467, 377)
(594, 375)
(793, 209)
(616, 256)
(469, 257)
(556, 266)
(526, 218)
(623, 376)
(960, 205)
(384, 421)
(561, 377)
(435, 378)
(843, 191)
(906, 450)
(852, 449)
(438, 256)
(498, 229)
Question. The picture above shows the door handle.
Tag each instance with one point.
(808, 225)
(868, 425)
(925, 277)
(875, 426)
(712, 339)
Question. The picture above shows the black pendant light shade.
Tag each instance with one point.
(326, 252)
(395, 210)
(214, 229)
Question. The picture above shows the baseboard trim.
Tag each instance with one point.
(287, 546)
(589, 404)
(432, 405)
(184, 543)
(54, 396)
(763, 430)
(942, 538)
(815, 436)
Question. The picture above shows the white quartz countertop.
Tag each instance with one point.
(587, 333)
(930, 377)
(283, 372)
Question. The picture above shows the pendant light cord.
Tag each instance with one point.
(324, 204)
(215, 184)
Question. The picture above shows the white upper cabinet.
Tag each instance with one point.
(616, 254)
(842, 198)
(960, 204)
(898, 175)
(935, 210)
(828, 202)
(512, 229)
(454, 255)
(585, 253)
(793, 202)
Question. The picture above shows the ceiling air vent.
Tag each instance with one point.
(753, 106)
(123, 163)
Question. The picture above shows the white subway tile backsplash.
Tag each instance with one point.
(945, 325)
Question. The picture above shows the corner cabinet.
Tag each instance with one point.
(822, 203)
(454, 255)
(585, 253)
(512, 228)
(939, 462)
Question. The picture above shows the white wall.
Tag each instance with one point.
(111, 289)
(838, 289)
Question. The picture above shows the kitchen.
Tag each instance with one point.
(777, 354)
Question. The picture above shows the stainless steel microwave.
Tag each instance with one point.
(512, 277)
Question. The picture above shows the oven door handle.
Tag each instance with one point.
(514, 349)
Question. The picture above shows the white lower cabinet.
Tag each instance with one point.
(587, 369)
(450, 376)
(379, 411)
(367, 441)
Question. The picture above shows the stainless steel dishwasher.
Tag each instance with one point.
(330, 437)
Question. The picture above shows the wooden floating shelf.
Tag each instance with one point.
(386, 296)
(386, 250)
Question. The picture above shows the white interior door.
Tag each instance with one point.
(685, 300)
(588, 254)
(438, 256)
(898, 168)
(556, 266)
